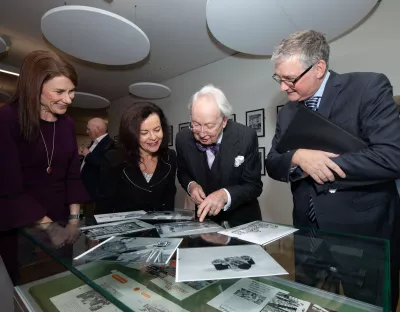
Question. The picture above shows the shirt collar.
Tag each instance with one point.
(321, 89)
(220, 137)
(101, 138)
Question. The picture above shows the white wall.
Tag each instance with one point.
(247, 83)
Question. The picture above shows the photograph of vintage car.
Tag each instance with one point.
(234, 263)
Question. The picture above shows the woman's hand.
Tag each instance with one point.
(57, 234)
(72, 231)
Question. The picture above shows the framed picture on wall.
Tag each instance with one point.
(261, 153)
(183, 125)
(278, 108)
(255, 119)
(233, 117)
(116, 138)
(170, 135)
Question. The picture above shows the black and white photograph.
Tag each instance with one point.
(118, 216)
(233, 117)
(93, 300)
(168, 215)
(233, 263)
(278, 108)
(255, 119)
(282, 302)
(259, 232)
(170, 135)
(184, 125)
(245, 295)
(177, 229)
(225, 262)
(147, 250)
(261, 153)
(115, 228)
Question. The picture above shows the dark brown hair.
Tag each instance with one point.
(129, 129)
(36, 69)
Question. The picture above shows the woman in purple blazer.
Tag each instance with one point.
(39, 162)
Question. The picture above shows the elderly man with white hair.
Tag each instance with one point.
(94, 155)
(218, 161)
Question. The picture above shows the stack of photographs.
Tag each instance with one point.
(178, 229)
(167, 215)
(115, 228)
(148, 250)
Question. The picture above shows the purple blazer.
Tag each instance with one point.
(27, 191)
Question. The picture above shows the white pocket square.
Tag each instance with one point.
(239, 160)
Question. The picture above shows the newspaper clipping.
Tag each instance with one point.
(115, 228)
(131, 293)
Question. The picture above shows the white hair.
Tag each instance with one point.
(218, 96)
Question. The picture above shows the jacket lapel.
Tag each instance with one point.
(136, 178)
(332, 89)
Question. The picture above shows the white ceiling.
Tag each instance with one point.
(177, 31)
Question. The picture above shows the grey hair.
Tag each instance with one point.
(310, 45)
(218, 96)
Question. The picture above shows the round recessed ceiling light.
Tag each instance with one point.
(149, 90)
(88, 100)
(95, 35)
(257, 26)
(3, 45)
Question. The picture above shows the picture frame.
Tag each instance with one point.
(278, 108)
(233, 117)
(261, 153)
(184, 125)
(116, 138)
(170, 135)
(256, 119)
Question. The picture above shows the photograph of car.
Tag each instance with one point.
(234, 263)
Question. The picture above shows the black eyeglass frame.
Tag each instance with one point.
(291, 81)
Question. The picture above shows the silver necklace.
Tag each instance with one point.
(49, 158)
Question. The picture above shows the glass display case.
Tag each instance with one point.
(326, 272)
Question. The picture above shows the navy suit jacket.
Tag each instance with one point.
(90, 173)
(366, 201)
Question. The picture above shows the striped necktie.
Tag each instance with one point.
(312, 103)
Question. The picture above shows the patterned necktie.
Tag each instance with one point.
(312, 103)
(214, 148)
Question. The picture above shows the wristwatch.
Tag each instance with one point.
(73, 216)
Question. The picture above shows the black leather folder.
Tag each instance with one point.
(310, 130)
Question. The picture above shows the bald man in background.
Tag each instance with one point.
(93, 155)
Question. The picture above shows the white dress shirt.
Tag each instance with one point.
(210, 161)
(95, 143)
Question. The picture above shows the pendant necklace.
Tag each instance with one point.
(49, 158)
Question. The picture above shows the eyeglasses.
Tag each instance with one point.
(207, 129)
(291, 82)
